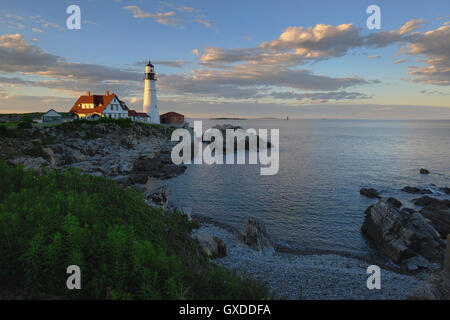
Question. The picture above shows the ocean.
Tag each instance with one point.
(313, 203)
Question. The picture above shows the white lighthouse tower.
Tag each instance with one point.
(150, 100)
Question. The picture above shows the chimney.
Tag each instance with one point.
(107, 92)
(88, 93)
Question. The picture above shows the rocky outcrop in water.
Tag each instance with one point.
(396, 203)
(260, 143)
(424, 171)
(437, 212)
(369, 193)
(415, 190)
(402, 235)
(254, 234)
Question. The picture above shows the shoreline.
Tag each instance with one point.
(310, 276)
(379, 260)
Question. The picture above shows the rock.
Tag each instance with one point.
(424, 201)
(36, 141)
(221, 248)
(416, 263)
(424, 171)
(239, 132)
(446, 190)
(255, 235)
(394, 202)
(435, 288)
(415, 190)
(30, 163)
(211, 246)
(51, 155)
(369, 193)
(186, 211)
(403, 234)
(446, 270)
(158, 197)
(438, 212)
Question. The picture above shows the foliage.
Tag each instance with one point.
(125, 249)
(26, 123)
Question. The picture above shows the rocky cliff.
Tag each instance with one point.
(126, 152)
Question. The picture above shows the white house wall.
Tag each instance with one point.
(115, 110)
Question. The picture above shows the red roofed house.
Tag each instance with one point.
(172, 118)
(108, 105)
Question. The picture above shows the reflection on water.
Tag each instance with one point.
(314, 202)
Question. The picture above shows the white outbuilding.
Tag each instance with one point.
(51, 116)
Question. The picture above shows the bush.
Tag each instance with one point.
(26, 123)
(125, 249)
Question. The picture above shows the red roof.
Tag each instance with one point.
(99, 102)
(171, 114)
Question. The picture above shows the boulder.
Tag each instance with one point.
(425, 201)
(158, 197)
(255, 235)
(212, 246)
(446, 190)
(239, 132)
(187, 211)
(415, 190)
(369, 193)
(221, 248)
(438, 212)
(436, 287)
(418, 262)
(394, 202)
(401, 235)
(424, 171)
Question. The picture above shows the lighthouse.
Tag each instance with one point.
(150, 100)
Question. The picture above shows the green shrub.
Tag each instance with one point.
(26, 123)
(125, 249)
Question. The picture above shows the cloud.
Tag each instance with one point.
(299, 45)
(204, 22)
(296, 45)
(196, 52)
(174, 16)
(247, 82)
(167, 63)
(410, 26)
(321, 97)
(434, 45)
(18, 56)
(399, 61)
(375, 56)
(168, 18)
(186, 9)
(44, 23)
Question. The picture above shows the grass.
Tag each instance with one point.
(125, 249)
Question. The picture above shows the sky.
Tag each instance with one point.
(247, 59)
